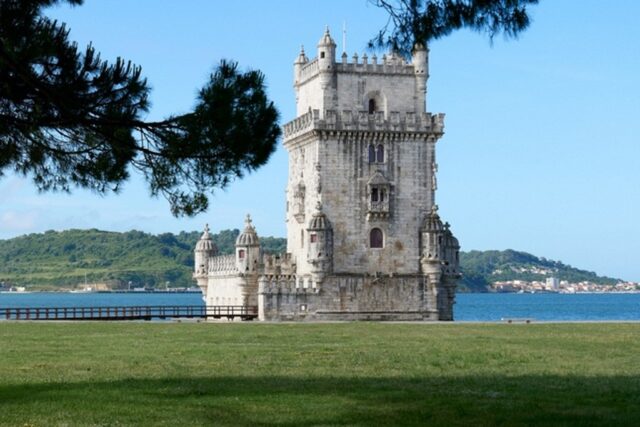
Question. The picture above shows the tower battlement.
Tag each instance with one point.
(389, 65)
(349, 120)
(276, 265)
(360, 83)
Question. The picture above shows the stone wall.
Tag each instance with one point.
(347, 297)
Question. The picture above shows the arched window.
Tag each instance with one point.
(372, 106)
(380, 154)
(376, 238)
(372, 154)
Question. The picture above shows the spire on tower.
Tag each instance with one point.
(344, 36)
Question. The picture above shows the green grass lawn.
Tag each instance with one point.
(187, 374)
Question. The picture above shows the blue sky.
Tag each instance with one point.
(541, 151)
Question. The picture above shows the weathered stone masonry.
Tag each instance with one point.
(364, 239)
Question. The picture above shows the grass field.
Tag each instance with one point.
(190, 374)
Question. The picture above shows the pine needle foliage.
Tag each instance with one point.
(421, 21)
(70, 119)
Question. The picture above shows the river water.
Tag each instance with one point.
(469, 307)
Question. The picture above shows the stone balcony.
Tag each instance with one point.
(378, 210)
(349, 120)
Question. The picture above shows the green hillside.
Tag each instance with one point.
(480, 268)
(68, 258)
(54, 259)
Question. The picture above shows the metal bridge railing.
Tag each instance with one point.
(149, 312)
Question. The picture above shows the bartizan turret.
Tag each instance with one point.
(420, 62)
(440, 265)
(451, 274)
(300, 62)
(320, 248)
(205, 249)
(248, 249)
(326, 70)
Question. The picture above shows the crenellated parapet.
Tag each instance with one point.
(389, 65)
(349, 120)
(278, 265)
(223, 265)
(308, 71)
(278, 283)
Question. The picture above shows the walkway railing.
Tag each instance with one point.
(130, 312)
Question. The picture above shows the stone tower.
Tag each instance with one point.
(364, 238)
(363, 148)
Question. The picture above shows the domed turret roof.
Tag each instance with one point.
(205, 244)
(419, 47)
(326, 39)
(248, 237)
(319, 220)
(432, 222)
(302, 58)
(450, 239)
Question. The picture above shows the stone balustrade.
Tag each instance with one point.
(309, 70)
(350, 120)
(223, 264)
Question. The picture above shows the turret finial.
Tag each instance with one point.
(205, 234)
(319, 206)
(247, 221)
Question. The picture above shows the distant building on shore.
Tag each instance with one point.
(553, 283)
(364, 237)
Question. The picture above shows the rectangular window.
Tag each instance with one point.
(313, 238)
(374, 194)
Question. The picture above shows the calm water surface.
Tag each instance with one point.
(469, 307)
(494, 307)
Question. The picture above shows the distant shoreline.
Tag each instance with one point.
(197, 291)
(66, 291)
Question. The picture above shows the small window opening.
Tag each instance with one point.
(380, 154)
(241, 254)
(321, 54)
(374, 195)
(372, 154)
(302, 238)
(376, 238)
(382, 195)
(372, 106)
(313, 238)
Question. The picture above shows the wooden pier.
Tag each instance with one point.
(149, 312)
